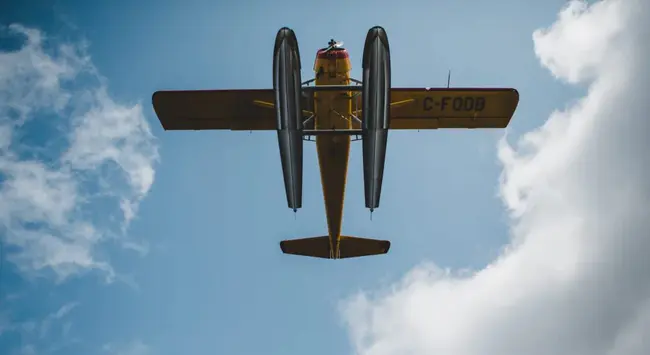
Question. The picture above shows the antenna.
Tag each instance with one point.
(448, 78)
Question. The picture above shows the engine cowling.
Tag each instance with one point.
(375, 112)
(287, 88)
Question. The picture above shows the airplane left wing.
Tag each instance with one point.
(245, 110)
(420, 108)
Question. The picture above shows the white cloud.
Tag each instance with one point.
(574, 279)
(44, 336)
(74, 164)
(46, 323)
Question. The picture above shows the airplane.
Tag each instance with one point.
(336, 110)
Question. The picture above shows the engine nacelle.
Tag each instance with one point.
(288, 91)
(375, 112)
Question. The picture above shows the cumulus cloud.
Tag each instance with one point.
(574, 278)
(74, 164)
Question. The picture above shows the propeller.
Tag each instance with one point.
(333, 44)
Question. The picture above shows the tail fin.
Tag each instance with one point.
(349, 247)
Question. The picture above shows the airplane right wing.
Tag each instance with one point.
(245, 110)
(434, 108)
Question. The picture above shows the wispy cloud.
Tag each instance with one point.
(42, 336)
(574, 279)
(74, 164)
(46, 323)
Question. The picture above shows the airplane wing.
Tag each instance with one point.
(216, 109)
(420, 108)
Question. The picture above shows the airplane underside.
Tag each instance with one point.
(336, 110)
(332, 153)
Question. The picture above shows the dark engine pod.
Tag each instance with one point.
(375, 112)
(287, 88)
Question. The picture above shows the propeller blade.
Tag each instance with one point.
(333, 44)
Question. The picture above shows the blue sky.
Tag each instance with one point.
(198, 269)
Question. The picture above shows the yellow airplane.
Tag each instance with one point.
(336, 110)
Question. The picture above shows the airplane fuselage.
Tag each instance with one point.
(333, 111)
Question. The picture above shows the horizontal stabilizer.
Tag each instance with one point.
(349, 247)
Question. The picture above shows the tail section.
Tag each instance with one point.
(348, 247)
